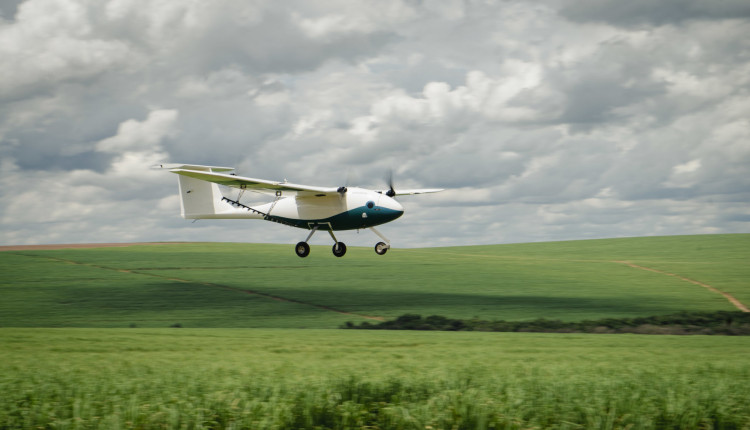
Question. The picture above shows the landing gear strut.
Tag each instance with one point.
(381, 247)
(339, 249)
(303, 249)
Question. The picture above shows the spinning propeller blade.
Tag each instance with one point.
(389, 177)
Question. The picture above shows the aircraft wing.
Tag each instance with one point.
(193, 167)
(252, 184)
(414, 191)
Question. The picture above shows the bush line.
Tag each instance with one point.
(683, 323)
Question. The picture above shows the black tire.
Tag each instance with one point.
(339, 249)
(381, 248)
(302, 249)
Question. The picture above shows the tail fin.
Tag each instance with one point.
(200, 199)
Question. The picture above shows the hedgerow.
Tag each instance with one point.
(707, 323)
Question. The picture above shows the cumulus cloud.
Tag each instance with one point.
(135, 135)
(545, 121)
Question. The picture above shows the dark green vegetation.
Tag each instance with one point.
(286, 379)
(248, 285)
(720, 322)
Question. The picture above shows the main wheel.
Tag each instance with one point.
(381, 248)
(302, 249)
(339, 249)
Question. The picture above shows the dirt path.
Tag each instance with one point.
(208, 284)
(728, 296)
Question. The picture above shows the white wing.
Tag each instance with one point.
(193, 167)
(252, 184)
(414, 191)
(419, 191)
(210, 174)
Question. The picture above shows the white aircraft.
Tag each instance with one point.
(302, 206)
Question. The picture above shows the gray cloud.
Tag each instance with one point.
(8, 8)
(545, 121)
(644, 12)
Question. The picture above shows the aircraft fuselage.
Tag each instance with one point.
(356, 208)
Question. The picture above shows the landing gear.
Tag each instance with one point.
(302, 249)
(381, 248)
(339, 249)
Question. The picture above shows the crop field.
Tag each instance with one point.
(250, 285)
(287, 378)
(89, 337)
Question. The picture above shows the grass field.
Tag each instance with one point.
(69, 360)
(282, 378)
(248, 285)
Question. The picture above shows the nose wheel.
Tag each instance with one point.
(381, 248)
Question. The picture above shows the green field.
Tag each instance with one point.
(282, 378)
(85, 339)
(250, 285)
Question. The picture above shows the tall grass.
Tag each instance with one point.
(181, 378)
(644, 400)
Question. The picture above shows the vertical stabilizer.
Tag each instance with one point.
(198, 198)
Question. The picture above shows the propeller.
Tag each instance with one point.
(389, 177)
(343, 189)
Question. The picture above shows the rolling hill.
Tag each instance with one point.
(260, 285)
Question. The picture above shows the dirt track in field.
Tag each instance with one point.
(738, 304)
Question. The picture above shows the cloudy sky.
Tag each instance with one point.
(546, 120)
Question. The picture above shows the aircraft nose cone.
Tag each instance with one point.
(395, 208)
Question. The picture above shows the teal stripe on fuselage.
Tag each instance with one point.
(349, 220)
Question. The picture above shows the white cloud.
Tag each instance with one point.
(491, 99)
(689, 167)
(684, 175)
(134, 135)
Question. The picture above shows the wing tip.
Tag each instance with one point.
(419, 191)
